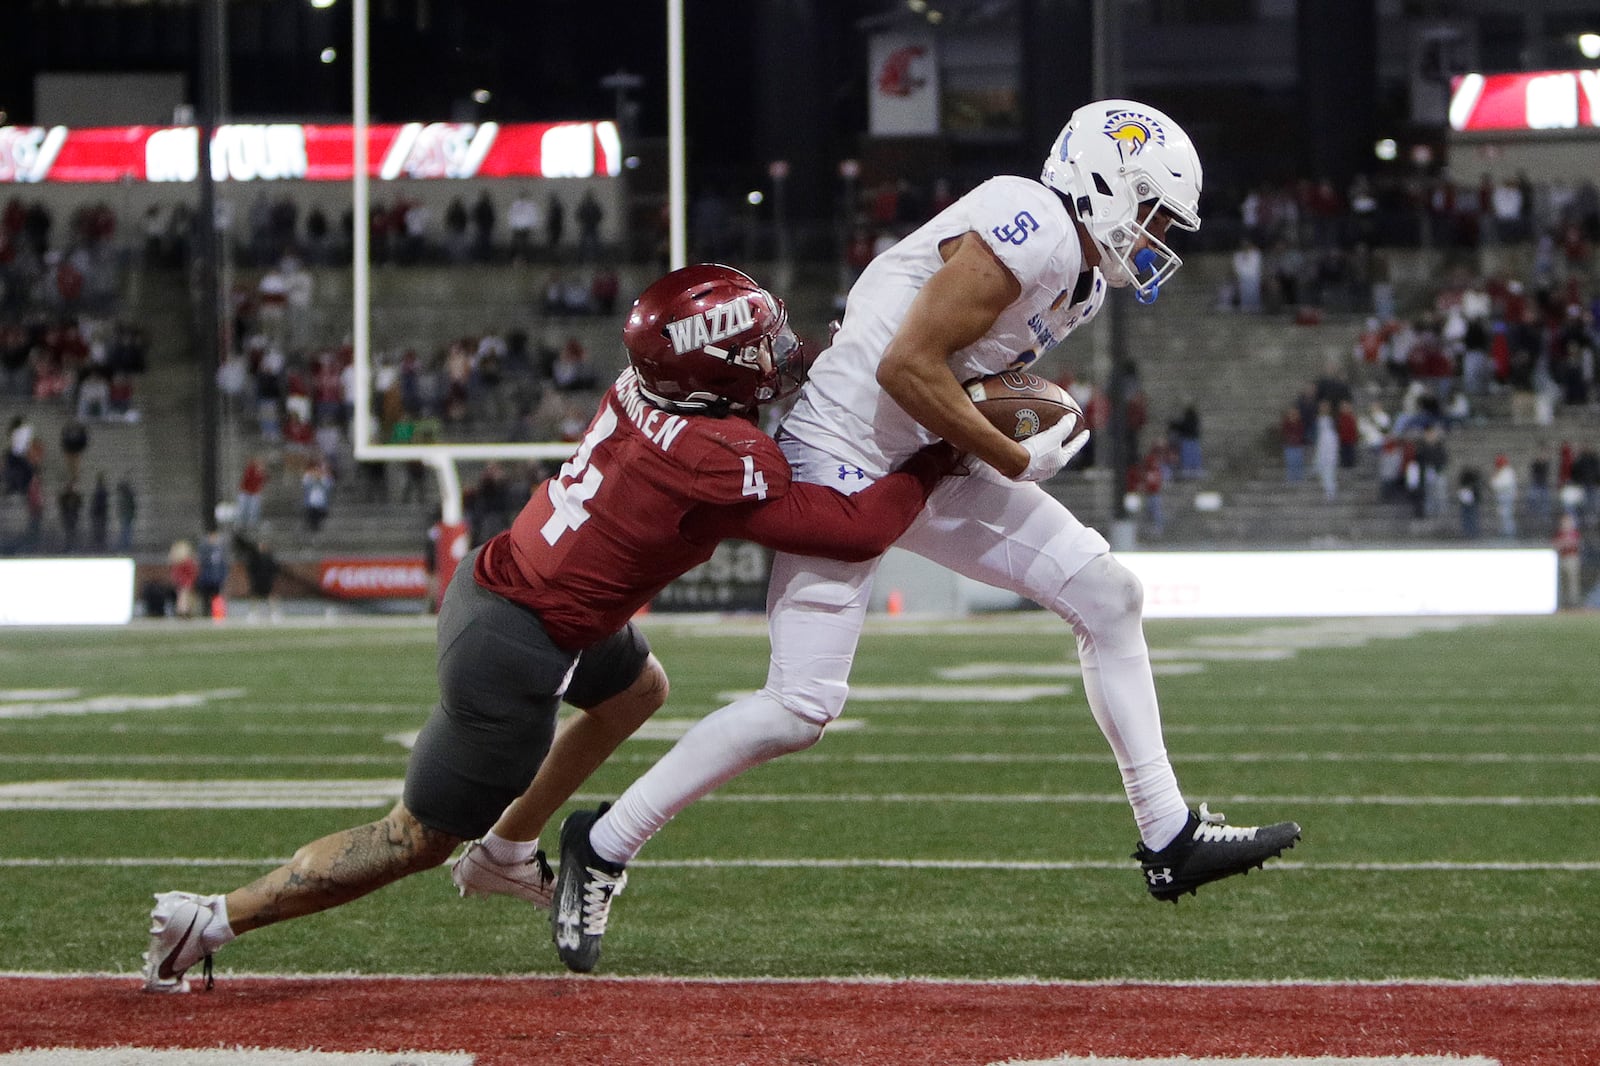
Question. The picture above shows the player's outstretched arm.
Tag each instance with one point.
(817, 520)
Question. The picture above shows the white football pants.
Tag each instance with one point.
(1009, 535)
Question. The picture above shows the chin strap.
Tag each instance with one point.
(1146, 293)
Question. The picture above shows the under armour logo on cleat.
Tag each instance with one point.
(851, 471)
(1162, 876)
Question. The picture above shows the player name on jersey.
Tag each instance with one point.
(662, 428)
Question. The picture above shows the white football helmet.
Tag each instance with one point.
(1110, 158)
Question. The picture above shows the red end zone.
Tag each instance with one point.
(623, 1022)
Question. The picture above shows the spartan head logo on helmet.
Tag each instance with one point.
(1132, 131)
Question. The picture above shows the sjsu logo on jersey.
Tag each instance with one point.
(711, 325)
(1017, 230)
(1132, 131)
(1042, 332)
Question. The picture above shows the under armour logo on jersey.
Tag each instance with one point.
(856, 472)
(1018, 230)
(1162, 876)
(711, 325)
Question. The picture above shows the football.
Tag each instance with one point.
(1020, 404)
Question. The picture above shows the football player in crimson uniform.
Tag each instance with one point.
(991, 282)
(672, 464)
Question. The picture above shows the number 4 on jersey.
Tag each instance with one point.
(755, 482)
(578, 481)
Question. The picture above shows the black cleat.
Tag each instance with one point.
(1208, 850)
(584, 888)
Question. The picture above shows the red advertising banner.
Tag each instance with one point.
(1535, 100)
(294, 151)
(373, 579)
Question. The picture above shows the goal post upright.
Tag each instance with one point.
(442, 458)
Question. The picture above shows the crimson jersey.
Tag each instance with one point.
(650, 494)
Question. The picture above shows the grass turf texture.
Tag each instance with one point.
(1496, 717)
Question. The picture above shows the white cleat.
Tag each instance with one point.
(178, 925)
(475, 873)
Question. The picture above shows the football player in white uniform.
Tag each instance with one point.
(989, 284)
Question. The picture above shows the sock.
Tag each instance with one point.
(716, 749)
(1164, 832)
(218, 932)
(508, 852)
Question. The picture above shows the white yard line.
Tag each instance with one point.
(985, 758)
(870, 980)
(359, 793)
(1017, 865)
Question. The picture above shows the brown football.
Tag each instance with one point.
(1020, 404)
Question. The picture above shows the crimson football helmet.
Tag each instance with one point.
(707, 338)
(1112, 158)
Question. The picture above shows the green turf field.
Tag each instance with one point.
(966, 821)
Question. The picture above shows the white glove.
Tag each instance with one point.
(1046, 452)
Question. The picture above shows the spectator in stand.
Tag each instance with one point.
(1577, 371)
(99, 515)
(523, 218)
(330, 446)
(31, 539)
(492, 504)
(457, 244)
(483, 219)
(1503, 483)
(1247, 277)
(1152, 479)
(183, 571)
(603, 290)
(1430, 362)
(272, 304)
(1568, 543)
(316, 495)
(250, 487)
(416, 219)
(299, 291)
(1325, 455)
(1287, 267)
(74, 442)
(1469, 496)
(573, 371)
(1375, 425)
(1586, 477)
(1292, 432)
(1185, 430)
(69, 508)
(1371, 346)
(1537, 502)
(1433, 457)
(261, 571)
(319, 249)
(127, 513)
(19, 455)
(1507, 211)
(555, 224)
(589, 215)
(1348, 429)
(211, 577)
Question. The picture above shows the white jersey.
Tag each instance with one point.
(843, 412)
